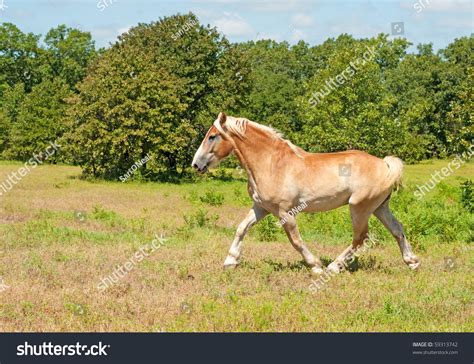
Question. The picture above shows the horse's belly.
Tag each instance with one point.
(327, 202)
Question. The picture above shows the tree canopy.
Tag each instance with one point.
(158, 88)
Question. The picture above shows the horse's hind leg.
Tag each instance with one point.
(254, 215)
(384, 214)
(291, 229)
(360, 227)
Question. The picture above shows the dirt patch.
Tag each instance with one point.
(11, 219)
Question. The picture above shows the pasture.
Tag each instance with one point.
(60, 235)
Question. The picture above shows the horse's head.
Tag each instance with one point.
(214, 147)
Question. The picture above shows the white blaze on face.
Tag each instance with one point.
(202, 159)
(197, 157)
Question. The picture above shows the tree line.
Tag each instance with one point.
(157, 89)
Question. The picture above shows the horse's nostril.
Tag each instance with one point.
(195, 166)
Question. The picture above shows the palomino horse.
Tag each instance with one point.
(283, 178)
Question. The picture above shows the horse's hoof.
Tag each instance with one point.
(413, 262)
(317, 270)
(230, 262)
(230, 266)
(334, 268)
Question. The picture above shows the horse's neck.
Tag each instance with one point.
(256, 157)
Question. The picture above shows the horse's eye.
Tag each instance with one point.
(212, 137)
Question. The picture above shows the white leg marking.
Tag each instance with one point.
(254, 215)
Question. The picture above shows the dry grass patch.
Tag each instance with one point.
(61, 235)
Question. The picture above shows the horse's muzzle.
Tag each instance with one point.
(200, 169)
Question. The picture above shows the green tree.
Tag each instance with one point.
(277, 78)
(9, 109)
(67, 54)
(39, 120)
(347, 104)
(19, 57)
(153, 92)
(34, 82)
(460, 115)
(433, 99)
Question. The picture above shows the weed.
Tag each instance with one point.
(99, 213)
(467, 196)
(212, 197)
(267, 229)
(199, 219)
(75, 308)
(193, 196)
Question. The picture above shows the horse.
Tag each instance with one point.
(284, 179)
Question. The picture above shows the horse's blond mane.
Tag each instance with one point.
(238, 126)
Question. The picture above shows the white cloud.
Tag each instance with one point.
(108, 33)
(297, 35)
(439, 5)
(301, 20)
(461, 23)
(233, 25)
(204, 13)
(449, 5)
(265, 5)
(123, 30)
(280, 5)
(261, 36)
(357, 29)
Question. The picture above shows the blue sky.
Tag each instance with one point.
(436, 21)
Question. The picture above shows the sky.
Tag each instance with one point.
(424, 21)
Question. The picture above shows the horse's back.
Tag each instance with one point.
(343, 177)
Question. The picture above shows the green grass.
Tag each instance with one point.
(60, 235)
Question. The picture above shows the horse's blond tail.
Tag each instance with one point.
(395, 171)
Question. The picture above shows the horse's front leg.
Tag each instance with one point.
(255, 215)
(291, 229)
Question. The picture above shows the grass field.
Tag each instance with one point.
(60, 235)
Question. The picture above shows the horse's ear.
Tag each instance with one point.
(219, 123)
(222, 118)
